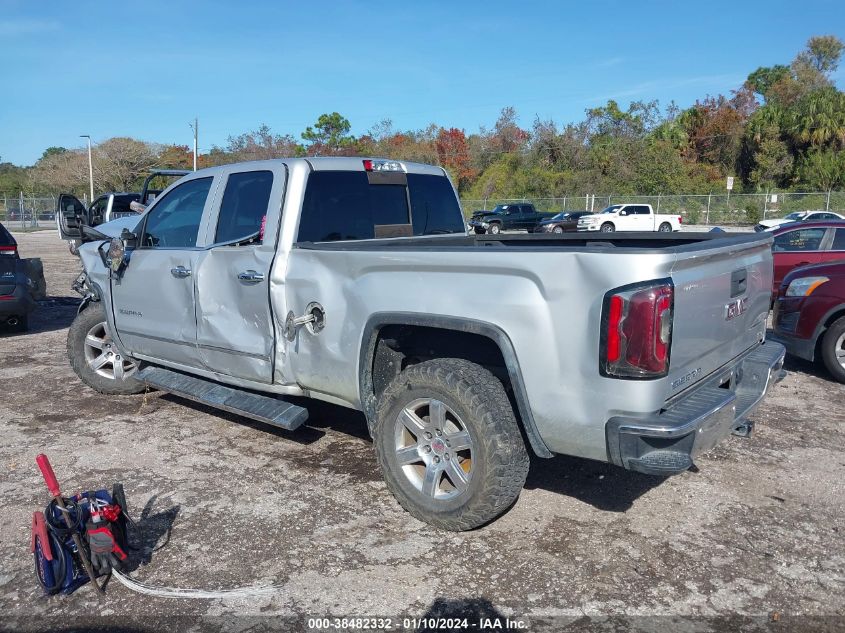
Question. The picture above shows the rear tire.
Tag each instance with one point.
(833, 349)
(665, 228)
(608, 227)
(95, 359)
(448, 444)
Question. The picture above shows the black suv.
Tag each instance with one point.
(15, 298)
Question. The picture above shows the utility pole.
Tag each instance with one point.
(196, 128)
(90, 164)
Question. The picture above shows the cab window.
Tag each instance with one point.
(799, 240)
(838, 240)
(174, 221)
(244, 207)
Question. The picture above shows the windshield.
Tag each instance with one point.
(612, 209)
(500, 208)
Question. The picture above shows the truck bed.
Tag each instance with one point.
(549, 305)
(631, 241)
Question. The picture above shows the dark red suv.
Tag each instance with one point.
(809, 317)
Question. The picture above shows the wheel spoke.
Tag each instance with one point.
(98, 362)
(840, 353)
(457, 475)
(459, 441)
(429, 485)
(437, 413)
(118, 370)
(408, 455)
(412, 422)
(95, 342)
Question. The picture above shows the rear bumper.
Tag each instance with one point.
(801, 347)
(668, 442)
(19, 303)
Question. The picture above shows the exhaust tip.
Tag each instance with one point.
(13, 321)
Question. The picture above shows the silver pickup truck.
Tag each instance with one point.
(353, 281)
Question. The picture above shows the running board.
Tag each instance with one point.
(252, 405)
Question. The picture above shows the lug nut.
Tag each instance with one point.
(438, 432)
(426, 449)
(436, 459)
(446, 455)
(447, 442)
(427, 435)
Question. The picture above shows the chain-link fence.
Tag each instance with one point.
(708, 209)
(27, 212)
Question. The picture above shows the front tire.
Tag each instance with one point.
(94, 357)
(833, 349)
(607, 227)
(495, 229)
(557, 229)
(665, 228)
(448, 444)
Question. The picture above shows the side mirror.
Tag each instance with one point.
(115, 255)
(623, 212)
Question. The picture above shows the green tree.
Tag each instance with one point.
(330, 135)
(762, 79)
(823, 170)
(52, 151)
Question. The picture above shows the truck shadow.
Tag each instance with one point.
(603, 486)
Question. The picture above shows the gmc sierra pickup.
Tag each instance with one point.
(346, 280)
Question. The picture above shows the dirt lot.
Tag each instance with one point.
(752, 540)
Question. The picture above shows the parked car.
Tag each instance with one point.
(73, 218)
(16, 301)
(809, 315)
(798, 216)
(508, 217)
(563, 222)
(801, 243)
(220, 296)
(629, 217)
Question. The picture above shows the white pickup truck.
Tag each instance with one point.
(629, 217)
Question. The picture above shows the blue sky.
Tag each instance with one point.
(146, 69)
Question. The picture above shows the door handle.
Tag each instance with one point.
(251, 277)
(180, 272)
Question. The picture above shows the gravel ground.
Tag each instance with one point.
(753, 540)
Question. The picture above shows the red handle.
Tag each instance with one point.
(49, 475)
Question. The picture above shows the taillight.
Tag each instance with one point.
(8, 250)
(680, 220)
(637, 330)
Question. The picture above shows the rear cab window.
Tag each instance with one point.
(343, 205)
(243, 211)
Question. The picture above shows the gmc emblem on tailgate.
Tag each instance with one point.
(735, 308)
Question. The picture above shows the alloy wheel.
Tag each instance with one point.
(434, 448)
(103, 356)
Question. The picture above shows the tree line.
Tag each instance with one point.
(783, 129)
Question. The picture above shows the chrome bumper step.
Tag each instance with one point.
(251, 405)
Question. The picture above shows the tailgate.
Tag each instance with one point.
(8, 266)
(722, 299)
